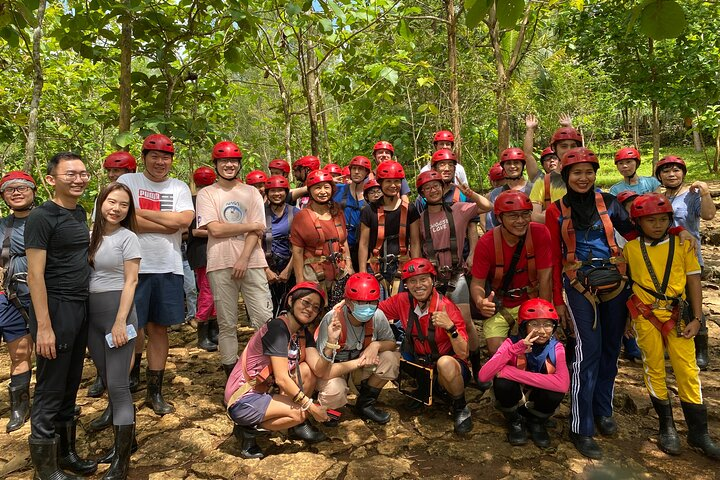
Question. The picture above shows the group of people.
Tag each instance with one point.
(348, 282)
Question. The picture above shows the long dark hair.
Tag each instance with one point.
(99, 226)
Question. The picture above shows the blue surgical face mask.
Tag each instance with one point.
(365, 312)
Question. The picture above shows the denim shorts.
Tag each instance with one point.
(249, 410)
(12, 323)
(160, 298)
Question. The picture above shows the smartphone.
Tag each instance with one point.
(131, 333)
(333, 414)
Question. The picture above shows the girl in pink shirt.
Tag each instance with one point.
(529, 374)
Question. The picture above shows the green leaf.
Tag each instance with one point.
(292, 9)
(509, 12)
(123, 139)
(326, 25)
(663, 19)
(389, 74)
(338, 13)
(476, 11)
(404, 30)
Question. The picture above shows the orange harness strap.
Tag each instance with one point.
(402, 234)
(522, 364)
(638, 308)
(367, 340)
(547, 190)
(316, 259)
(500, 262)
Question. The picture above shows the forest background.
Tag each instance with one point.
(284, 79)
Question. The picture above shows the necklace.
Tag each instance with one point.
(356, 338)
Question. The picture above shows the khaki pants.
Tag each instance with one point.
(225, 289)
(333, 393)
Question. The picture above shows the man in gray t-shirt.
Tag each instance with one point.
(366, 349)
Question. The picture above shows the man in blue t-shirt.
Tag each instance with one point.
(627, 161)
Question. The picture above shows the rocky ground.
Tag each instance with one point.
(196, 442)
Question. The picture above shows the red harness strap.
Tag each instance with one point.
(521, 364)
(367, 340)
(638, 308)
(500, 262)
(456, 194)
(402, 234)
(317, 258)
(547, 190)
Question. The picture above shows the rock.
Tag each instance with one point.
(352, 432)
(198, 440)
(298, 466)
(379, 467)
(177, 473)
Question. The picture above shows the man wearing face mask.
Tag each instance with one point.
(365, 350)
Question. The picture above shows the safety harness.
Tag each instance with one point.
(264, 379)
(547, 356)
(546, 180)
(446, 274)
(274, 260)
(10, 278)
(502, 278)
(611, 279)
(334, 256)
(414, 332)
(368, 328)
(389, 259)
(673, 304)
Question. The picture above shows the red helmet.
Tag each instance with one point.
(389, 169)
(668, 160)
(546, 152)
(308, 161)
(537, 309)
(370, 184)
(496, 173)
(417, 266)
(333, 169)
(204, 176)
(443, 155)
(565, 133)
(512, 201)
(427, 177)
(580, 155)
(279, 164)
(226, 150)
(510, 154)
(361, 161)
(255, 177)
(16, 175)
(444, 136)
(120, 159)
(383, 145)
(158, 141)
(627, 154)
(362, 287)
(309, 286)
(650, 204)
(318, 176)
(346, 170)
(277, 181)
(626, 195)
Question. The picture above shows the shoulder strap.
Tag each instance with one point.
(547, 189)
(502, 277)
(530, 252)
(456, 194)
(660, 288)
(429, 246)
(402, 233)
(267, 243)
(5, 256)
(380, 230)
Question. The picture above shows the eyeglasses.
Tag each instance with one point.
(515, 216)
(432, 186)
(70, 176)
(20, 189)
(305, 305)
(538, 326)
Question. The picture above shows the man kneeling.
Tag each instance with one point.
(364, 350)
(435, 335)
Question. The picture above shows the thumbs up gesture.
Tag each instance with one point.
(487, 305)
(441, 319)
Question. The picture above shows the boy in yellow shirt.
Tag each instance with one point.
(661, 269)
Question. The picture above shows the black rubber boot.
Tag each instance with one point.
(698, 437)
(474, 358)
(108, 456)
(228, 368)
(305, 431)
(204, 341)
(365, 404)
(462, 416)
(154, 396)
(122, 449)
(135, 374)
(213, 330)
(43, 452)
(516, 435)
(702, 356)
(97, 388)
(248, 444)
(19, 407)
(587, 446)
(606, 425)
(103, 421)
(68, 458)
(668, 438)
(537, 427)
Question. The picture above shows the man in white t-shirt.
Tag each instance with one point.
(234, 215)
(445, 140)
(163, 210)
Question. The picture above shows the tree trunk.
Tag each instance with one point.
(310, 89)
(635, 127)
(697, 141)
(125, 69)
(503, 117)
(716, 160)
(655, 132)
(38, 80)
(287, 116)
(453, 68)
(327, 153)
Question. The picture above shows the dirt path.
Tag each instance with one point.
(197, 443)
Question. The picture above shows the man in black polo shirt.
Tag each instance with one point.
(56, 245)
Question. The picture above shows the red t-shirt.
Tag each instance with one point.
(304, 234)
(397, 308)
(484, 259)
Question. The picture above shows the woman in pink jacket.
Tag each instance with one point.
(532, 363)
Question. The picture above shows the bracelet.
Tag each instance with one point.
(332, 346)
(306, 405)
(299, 397)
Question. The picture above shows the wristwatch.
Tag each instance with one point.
(453, 332)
